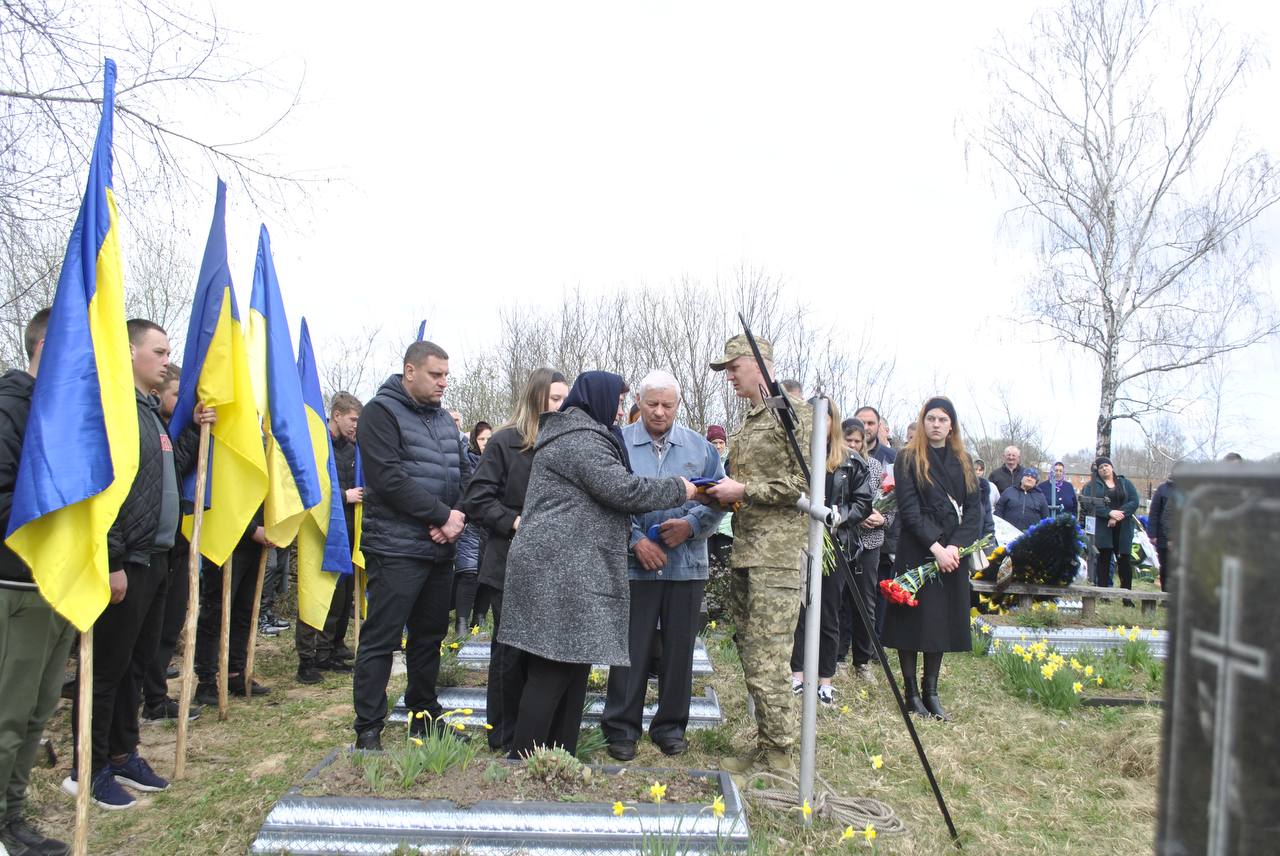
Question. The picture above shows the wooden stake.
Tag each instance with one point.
(224, 640)
(253, 622)
(84, 746)
(186, 688)
(359, 606)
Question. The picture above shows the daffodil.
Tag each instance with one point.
(717, 806)
(973, 619)
(618, 808)
(466, 711)
(973, 612)
(863, 694)
(475, 630)
(417, 741)
(711, 625)
(877, 761)
(996, 645)
(657, 791)
(453, 646)
(986, 628)
(1098, 680)
(459, 726)
(1047, 670)
(1026, 658)
(844, 708)
(1077, 687)
(1019, 650)
(869, 833)
(488, 727)
(1075, 664)
(806, 810)
(420, 714)
(847, 834)
(1088, 671)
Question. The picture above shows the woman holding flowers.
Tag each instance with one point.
(1115, 522)
(941, 515)
(869, 538)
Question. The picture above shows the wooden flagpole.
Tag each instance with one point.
(253, 622)
(224, 639)
(186, 688)
(359, 606)
(84, 745)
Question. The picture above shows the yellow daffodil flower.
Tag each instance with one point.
(1088, 671)
(711, 625)
(657, 791)
(453, 646)
(869, 833)
(806, 810)
(844, 708)
(986, 628)
(488, 727)
(996, 645)
(863, 694)
(466, 711)
(475, 630)
(847, 834)
(420, 714)
(1077, 687)
(459, 726)
(1047, 670)
(717, 806)
(877, 761)
(417, 741)
(1026, 658)
(1075, 664)
(973, 620)
(618, 808)
(1098, 680)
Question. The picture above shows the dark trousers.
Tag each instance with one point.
(275, 577)
(1162, 555)
(853, 633)
(676, 603)
(34, 643)
(465, 584)
(155, 686)
(244, 578)
(403, 592)
(125, 637)
(1124, 566)
(551, 706)
(829, 632)
(507, 673)
(884, 572)
(320, 646)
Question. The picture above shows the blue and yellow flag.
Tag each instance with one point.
(215, 372)
(323, 548)
(293, 484)
(357, 553)
(80, 452)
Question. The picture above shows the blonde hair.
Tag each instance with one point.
(533, 402)
(917, 447)
(837, 452)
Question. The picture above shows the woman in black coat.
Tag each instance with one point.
(1114, 535)
(494, 499)
(940, 512)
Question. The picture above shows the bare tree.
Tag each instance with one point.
(1142, 212)
(353, 363)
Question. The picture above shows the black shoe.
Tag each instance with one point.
(207, 694)
(267, 629)
(342, 654)
(276, 621)
(911, 696)
(622, 750)
(171, 672)
(932, 703)
(309, 674)
(672, 745)
(370, 740)
(168, 709)
(332, 665)
(235, 687)
(21, 837)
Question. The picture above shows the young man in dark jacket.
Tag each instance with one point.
(128, 630)
(1160, 530)
(34, 640)
(415, 467)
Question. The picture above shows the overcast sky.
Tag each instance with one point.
(488, 153)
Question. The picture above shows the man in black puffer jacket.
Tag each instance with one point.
(415, 467)
(127, 632)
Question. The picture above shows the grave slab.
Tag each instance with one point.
(311, 825)
(474, 654)
(704, 710)
(1220, 780)
(1073, 640)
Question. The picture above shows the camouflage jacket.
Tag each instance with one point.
(768, 531)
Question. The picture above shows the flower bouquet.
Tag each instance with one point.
(887, 502)
(903, 588)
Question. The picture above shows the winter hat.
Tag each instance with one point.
(715, 432)
(1031, 472)
(1102, 459)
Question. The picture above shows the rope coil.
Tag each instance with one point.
(858, 812)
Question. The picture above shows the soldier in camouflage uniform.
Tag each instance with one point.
(769, 538)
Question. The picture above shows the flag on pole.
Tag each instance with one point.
(357, 554)
(293, 484)
(422, 330)
(215, 372)
(80, 451)
(323, 549)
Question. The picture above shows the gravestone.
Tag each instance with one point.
(1220, 777)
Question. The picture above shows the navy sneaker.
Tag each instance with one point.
(136, 773)
(105, 790)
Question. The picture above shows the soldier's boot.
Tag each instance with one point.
(779, 762)
(911, 696)
(740, 764)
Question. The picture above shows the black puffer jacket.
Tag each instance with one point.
(15, 407)
(415, 468)
(133, 536)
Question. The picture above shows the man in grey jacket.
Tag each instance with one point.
(667, 574)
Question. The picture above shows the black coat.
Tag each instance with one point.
(495, 498)
(15, 407)
(1003, 479)
(941, 621)
(1123, 498)
(850, 490)
(1160, 515)
(415, 469)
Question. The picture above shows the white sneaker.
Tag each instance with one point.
(826, 694)
(797, 686)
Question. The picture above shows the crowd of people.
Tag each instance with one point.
(586, 535)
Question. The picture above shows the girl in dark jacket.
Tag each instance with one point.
(1115, 521)
(941, 512)
(494, 499)
(467, 610)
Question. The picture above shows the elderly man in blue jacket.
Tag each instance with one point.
(668, 572)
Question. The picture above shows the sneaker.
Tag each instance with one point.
(171, 672)
(826, 694)
(865, 673)
(206, 694)
(309, 674)
(136, 773)
(797, 686)
(105, 792)
(168, 709)
(269, 629)
(21, 837)
(370, 740)
(276, 621)
(235, 687)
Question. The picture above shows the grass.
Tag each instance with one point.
(1018, 778)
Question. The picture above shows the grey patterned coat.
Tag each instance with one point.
(566, 596)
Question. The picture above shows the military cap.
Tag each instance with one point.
(738, 346)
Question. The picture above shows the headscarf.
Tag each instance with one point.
(1058, 481)
(596, 394)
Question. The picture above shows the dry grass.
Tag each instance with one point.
(1018, 779)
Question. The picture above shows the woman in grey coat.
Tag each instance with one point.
(567, 600)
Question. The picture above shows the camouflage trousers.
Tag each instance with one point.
(764, 604)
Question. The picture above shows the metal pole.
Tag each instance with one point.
(813, 607)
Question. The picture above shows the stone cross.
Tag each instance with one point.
(1231, 656)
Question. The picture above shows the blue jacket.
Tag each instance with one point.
(1066, 496)
(691, 456)
(1022, 508)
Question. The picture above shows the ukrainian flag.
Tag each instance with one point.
(357, 554)
(422, 330)
(215, 372)
(293, 484)
(322, 540)
(80, 452)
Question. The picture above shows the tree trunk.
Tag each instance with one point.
(1107, 404)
